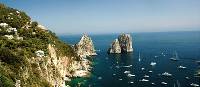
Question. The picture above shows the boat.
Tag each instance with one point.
(150, 71)
(175, 58)
(144, 80)
(131, 82)
(153, 63)
(130, 75)
(187, 78)
(114, 74)
(142, 68)
(128, 66)
(99, 78)
(194, 85)
(156, 56)
(182, 67)
(139, 59)
(153, 83)
(120, 79)
(164, 83)
(146, 76)
(166, 74)
(126, 71)
(178, 84)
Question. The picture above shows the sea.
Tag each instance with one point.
(111, 70)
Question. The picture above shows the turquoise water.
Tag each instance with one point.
(163, 44)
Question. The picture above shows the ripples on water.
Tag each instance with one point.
(109, 70)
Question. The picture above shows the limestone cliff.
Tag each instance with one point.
(115, 47)
(85, 47)
(123, 44)
(39, 58)
(125, 41)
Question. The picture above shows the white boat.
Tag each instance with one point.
(182, 67)
(142, 68)
(131, 82)
(153, 63)
(187, 78)
(130, 75)
(166, 74)
(146, 76)
(164, 83)
(120, 79)
(144, 80)
(153, 83)
(175, 58)
(150, 71)
(127, 72)
(114, 74)
(156, 56)
(194, 85)
(139, 59)
(128, 66)
(99, 78)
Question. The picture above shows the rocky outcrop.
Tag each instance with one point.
(115, 47)
(123, 44)
(85, 47)
(125, 41)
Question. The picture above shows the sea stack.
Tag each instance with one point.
(123, 44)
(115, 47)
(85, 47)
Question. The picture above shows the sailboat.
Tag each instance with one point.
(139, 57)
(175, 58)
(178, 84)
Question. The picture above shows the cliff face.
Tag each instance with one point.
(85, 47)
(121, 45)
(38, 58)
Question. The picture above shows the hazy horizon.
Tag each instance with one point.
(112, 16)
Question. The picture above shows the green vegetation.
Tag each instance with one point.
(15, 54)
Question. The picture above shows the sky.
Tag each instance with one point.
(112, 16)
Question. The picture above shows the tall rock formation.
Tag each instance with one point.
(115, 47)
(85, 47)
(123, 44)
(125, 41)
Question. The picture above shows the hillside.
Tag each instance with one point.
(30, 54)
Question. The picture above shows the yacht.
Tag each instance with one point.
(153, 83)
(120, 79)
(164, 83)
(126, 71)
(194, 85)
(153, 63)
(131, 82)
(144, 80)
(146, 76)
(142, 68)
(150, 71)
(182, 67)
(166, 74)
(128, 66)
(130, 75)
